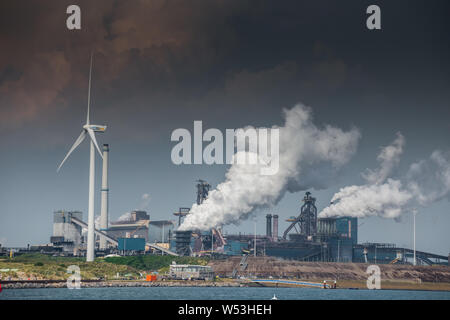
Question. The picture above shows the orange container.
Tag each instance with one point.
(150, 277)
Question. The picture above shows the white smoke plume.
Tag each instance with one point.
(385, 200)
(96, 225)
(429, 180)
(426, 181)
(97, 222)
(125, 217)
(145, 201)
(375, 198)
(389, 157)
(309, 156)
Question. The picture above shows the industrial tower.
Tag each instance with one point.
(307, 220)
(202, 191)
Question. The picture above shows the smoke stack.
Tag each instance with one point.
(105, 192)
(269, 226)
(275, 227)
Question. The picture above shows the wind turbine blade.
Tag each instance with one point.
(89, 91)
(75, 145)
(92, 135)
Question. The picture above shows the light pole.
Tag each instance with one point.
(375, 253)
(254, 244)
(339, 251)
(414, 235)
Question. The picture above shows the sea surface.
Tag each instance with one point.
(217, 293)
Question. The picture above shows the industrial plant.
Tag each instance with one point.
(307, 237)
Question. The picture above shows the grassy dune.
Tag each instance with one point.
(44, 267)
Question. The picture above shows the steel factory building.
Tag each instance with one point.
(307, 238)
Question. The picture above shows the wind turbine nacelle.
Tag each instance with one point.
(95, 127)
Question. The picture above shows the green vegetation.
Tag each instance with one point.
(43, 258)
(39, 266)
(155, 263)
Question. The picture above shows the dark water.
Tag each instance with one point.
(217, 293)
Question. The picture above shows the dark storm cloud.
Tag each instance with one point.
(9, 74)
(166, 38)
(164, 61)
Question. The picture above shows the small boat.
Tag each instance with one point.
(274, 297)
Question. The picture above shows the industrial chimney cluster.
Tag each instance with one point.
(272, 233)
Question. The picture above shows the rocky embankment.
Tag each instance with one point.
(101, 284)
(279, 268)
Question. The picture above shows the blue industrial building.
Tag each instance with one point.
(131, 244)
(307, 238)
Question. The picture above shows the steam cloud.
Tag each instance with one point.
(386, 200)
(389, 157)
(429, 180)
(309, 156)
(125, 217)
(145, 201)
(96, 225)
(426, 181)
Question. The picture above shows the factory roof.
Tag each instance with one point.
(190, 266)
(128, 224)
(140, 223)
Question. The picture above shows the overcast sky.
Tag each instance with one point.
(160, 65)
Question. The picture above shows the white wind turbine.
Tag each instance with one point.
(89, 129)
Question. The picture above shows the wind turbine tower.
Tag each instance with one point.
(89, 130)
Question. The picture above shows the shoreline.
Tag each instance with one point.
(348, 285)
(115, 283)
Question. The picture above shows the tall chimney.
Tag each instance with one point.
(105, 192)
(275, 227)
(269, 225)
